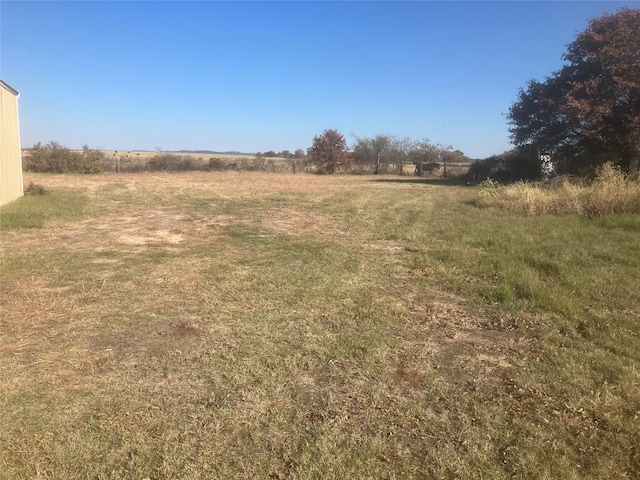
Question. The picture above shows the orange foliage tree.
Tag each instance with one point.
(589, 110)
(329, 151)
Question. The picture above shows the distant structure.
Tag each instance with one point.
(546, 163)
(11, 186)
(424, 167)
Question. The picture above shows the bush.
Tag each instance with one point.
(217, 164)
(35, 189)
(90, 160)
(162, 162)
(54, 158)
(169, 162)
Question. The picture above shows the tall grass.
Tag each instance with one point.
(610, 192)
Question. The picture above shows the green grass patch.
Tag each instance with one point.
(35, 211)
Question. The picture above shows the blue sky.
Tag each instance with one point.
(258, 76)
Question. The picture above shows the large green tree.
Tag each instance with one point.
(589, 110)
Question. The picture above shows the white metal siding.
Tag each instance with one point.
(10, 153)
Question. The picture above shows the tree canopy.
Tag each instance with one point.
(588, 112)
(389, 153)
(329, 151)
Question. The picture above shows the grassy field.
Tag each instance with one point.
(227, 325)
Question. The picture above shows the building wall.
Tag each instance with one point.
(10, 153)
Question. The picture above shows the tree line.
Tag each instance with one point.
(582, 116)
(380, 154)
(385, 154)
(299, 153)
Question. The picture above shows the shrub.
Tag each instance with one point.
(217, 164)
(54, 158)
(35, 189)
(169, 162)
(161, 162)
(90, 160)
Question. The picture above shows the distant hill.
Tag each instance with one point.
(212, 152)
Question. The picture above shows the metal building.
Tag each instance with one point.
(11, 186)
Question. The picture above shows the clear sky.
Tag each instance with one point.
(259, 76)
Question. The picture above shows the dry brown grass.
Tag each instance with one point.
(147, 329)
(232, 325)
(610, 192)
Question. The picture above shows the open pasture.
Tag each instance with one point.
(252, 325)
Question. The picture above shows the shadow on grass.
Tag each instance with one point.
(450, 182)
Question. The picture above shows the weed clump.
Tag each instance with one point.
(34, 189)
(610, 192)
